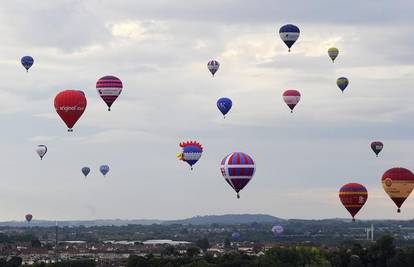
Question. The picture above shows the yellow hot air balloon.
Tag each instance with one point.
(398, 184)
(333, 53)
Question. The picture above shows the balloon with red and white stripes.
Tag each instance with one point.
(237, 169)
(109, 88)
(291, 98)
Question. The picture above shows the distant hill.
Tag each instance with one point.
(208, 219)
(228, 219)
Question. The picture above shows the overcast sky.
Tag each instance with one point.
(160, 50)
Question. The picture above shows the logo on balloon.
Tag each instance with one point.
(388, 182)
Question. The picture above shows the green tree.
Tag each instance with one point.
(193, 251)
(203, 243)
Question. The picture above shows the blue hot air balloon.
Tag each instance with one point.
(86, 171)
(27, 62)
(289, 33)
(342, 83)
(104, 169)
(235, 236)
(191, 153)
(224, 105)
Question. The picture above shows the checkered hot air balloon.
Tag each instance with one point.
(291, 98)
(237, 169)
(353, 196)
(109, 88)
(191, 153)
(213, 66)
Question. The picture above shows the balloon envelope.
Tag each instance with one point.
(353, 196)
(277, 230)
(342, 83)
(333, 53)
(235, 236)
(224, 104)
(86, 171)
(104, 169)
(377, 146)
(213, 66)
(291, 98)
(27, 62)
(191, 153)
(289, 33)
(28, 217)
(109, 88)
(70, 105)
(398, 184)
(237, 169)
(41, 150)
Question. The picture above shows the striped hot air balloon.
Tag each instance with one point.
(237, 169)
(213, 66)
(291, 98)
(289, 33)
(398, 184)
(353, 196)
(109, 88)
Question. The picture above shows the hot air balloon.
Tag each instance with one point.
(291, 98)
(398, 184)
(109, 88)
(86, 171)
(41, 151)
(237, 169)
(277, 230)
(235, 236)
(377, 146)
(353, 196)
(191, 153)
(28, 217)
(333, 53)
(70, 105)
(104, 169)
(27, 62)
(224, 104)
(213, 66)
(289, 34)
(342, 83)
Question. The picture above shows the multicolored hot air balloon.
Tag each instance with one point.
(291, 98)
(191, 153)
(27, 62)
(28, 217)
(377, 146)
(353, 196)
(289, 34)
(86, 171)
(342, 83)
(237, 169)
(333, 53)
(109, 88)
(213, 66)
(277, 230)
(224, 104)
(70, 105)
(235, 236)
(104, 169)
(41, 151)
(398, 184)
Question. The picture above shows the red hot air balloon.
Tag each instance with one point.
(377, 146)
(353, 196)
(398, 184)
(291, 98)
(28, 217)
(109, 88)
(70, 105)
